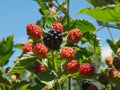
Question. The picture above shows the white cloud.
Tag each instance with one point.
(106, 51)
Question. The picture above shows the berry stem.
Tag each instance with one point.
(53, 63)
(79, 83)
(68, 24)
(69, 83)
(68, 21)
(110, 34)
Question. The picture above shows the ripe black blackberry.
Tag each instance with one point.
(116, 63)
(86, 83)
(53, 39)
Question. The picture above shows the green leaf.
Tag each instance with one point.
(20, 85)
(22, 62)
(93, 41)
(49, 84)
(46, 20)
(2, 87)
(23, 87)
(82, 54)
(4, 59)
(100, 3)
(46, 76)
(61, 6)
(6, 45)
(117, 1)
(118, 43)
(18, 46)
(5, 81)
(36, 87)
(82, 24)
(96, 3)
(43, 6)
(108, 13)
(112, 45)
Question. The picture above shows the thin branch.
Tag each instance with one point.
(100, 28)
(68, 21)
(110, 33)
(110, 26)
(69, 82)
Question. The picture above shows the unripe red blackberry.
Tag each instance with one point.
(40, 50)
(53, 39)
(86, 83)
(74, 35)
(67, 53)
(39, 68)
(103, 79)
(27, 47)
(118, 52)
(109, 61)
(92, 87)
(57, 26)
(71, 67)
(116, 62)
(46, 88)
(34, 31)
(86, 69)
(17, 74)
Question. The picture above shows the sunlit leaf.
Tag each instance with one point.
(18, 46)
(4, 59)
(112, 45)
(6, 45)
(21, 63)
(108, 13)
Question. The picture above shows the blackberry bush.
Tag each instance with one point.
(62, 52)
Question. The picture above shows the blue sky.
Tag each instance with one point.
(16, 14)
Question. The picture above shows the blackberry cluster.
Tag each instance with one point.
(86, 83)
(53, 39)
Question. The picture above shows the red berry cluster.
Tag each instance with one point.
(57, 26)
(71, 66)
(38, 68)
(86, 69)
(67, 53)
(34, 31)
(40, 50)
(74, 35)
(27, 47)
